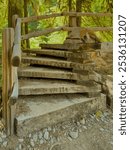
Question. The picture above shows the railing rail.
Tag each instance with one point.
(71, 14)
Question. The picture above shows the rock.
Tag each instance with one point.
(5, 143)
(30, 135)
(69, 138)
(101, 129)
(20, 147)
(1, 140)
(46, 135)
(82, 121)
(54, 130)
(41, 141)
(78, 123)
(32, 143)
(40, 135)
(85, 127)
(3, 136)
(49, 129)
(20, 140)
(74, 134)
(35, 137)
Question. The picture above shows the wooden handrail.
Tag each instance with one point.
(64, 28)
(40, 33)
(88, 28)
(76, 14)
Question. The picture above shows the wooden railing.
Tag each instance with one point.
(73, 15)
(11, 57)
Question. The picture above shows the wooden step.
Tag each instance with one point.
(34, 113)
(57, 53)
(47, 62)
(53, 73)
(41, 87)
(45, 72)
(49, 52)
(57, 63)
(73, 46)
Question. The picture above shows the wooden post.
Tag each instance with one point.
(16, 56)
(78, 9)
(7, 45)
(72, 19)
(26, 24)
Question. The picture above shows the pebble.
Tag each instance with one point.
(20, 147)
(20, 140)
(49, 129)
(85, 127)
(30, 135)
(41, 141)
(82, 121)
(40, 135)
(101, 129)
(1, 140)
(69, 138)
(46, 135)
(74, 134)
(32, 143)
(3, 136)
(35, 137)
(5, 143)
(54, 130)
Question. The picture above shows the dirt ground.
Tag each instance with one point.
(93, 132)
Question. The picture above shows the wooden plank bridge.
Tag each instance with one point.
(38, 82)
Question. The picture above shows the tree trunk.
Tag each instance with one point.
(13, 8)
(78, 9)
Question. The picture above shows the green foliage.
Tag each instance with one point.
(98, 6)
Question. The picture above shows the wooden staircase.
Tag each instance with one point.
(49, 85)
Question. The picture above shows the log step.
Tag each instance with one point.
(41, 87)
(58, 63)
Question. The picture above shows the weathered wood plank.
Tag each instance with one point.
(50, 73)
(41, 87)
(47, 62)
(43, 72)
(58, 63)
(57, 53)
(73, 46)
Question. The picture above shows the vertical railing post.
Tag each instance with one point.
(7, 83)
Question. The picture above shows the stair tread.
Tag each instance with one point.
(57, 63)
(36, 87)
(45, 72)
(50, 109)
(51, 52)
(46, 61)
